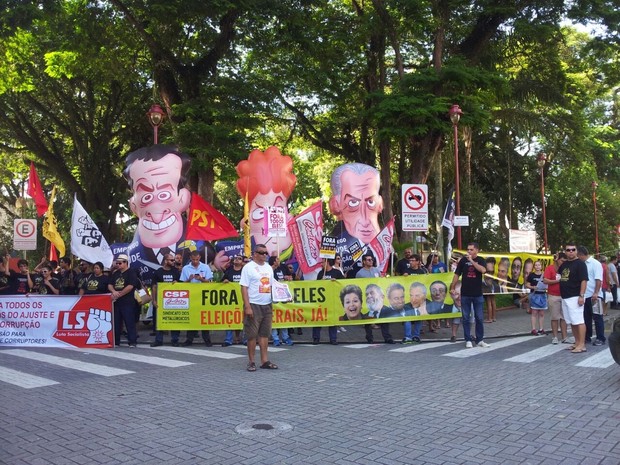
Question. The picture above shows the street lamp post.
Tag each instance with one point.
(594, 186)
(455, 113)
(155, 116)
(541, 160)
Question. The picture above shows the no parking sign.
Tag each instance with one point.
(24, 234)
(414, 207)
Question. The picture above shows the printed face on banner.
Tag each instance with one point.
(396, 297)
(157, 200)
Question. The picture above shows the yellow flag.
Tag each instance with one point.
(247, 244)
(50, 231)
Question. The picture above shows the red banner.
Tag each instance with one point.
(56, 321)
(381, 246)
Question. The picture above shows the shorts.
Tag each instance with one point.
(260, 324)
(538, 301)
(554, 303)
(573, 312)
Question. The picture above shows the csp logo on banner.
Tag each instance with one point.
(174, 299)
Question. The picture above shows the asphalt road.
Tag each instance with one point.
(521, 401)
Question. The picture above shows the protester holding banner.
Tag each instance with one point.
(375, 304)
(551, 278)
(256, 284)
(123, 283)
(328, 272)
(368, 270)
(490, 286)
(166, 274)
(278, 274)
(415, 307)
(232, 274)
(471, 268)
(96, 283)
(196, 272)
(67, 278)
(538, 299)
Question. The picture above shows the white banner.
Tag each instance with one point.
(56, 321)
(87, 242)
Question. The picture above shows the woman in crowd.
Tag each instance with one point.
(96, 283)
(538, 299)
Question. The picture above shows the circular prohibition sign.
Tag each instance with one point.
(24, 229)
(415, 198)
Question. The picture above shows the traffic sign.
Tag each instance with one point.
(24, 234)
(414, 207)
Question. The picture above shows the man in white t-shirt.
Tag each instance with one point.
(256, 282)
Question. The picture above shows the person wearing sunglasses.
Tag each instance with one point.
(45, 283)
(123, 282)
(256, 284)
(573, 282)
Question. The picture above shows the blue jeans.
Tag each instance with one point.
(467, 305)
(283, 331)
(417, 328)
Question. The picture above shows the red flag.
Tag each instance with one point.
(36, 192)
(381, 246)
(306, 231)
(206, 223)
(53, 254)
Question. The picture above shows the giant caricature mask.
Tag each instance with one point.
(356, 201)
(268, 180)
(158, 201)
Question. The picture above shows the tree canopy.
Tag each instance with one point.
(326, 81)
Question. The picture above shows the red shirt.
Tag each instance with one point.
(551, 273)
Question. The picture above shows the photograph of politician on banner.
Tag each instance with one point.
(507, 273)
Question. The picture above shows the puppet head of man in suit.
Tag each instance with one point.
(157, 176)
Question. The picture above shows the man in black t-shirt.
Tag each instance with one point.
(19, 283)
(68, 283)
(123, 283)
(233, 275)
(573, 282)
(471, 269)
(166, 274)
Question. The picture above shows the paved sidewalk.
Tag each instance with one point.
(511, 321)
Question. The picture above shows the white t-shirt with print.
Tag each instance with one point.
(257, 278)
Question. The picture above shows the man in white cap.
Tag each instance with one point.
(123, 283)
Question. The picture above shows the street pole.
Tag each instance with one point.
(156, 117)
(455, 113)
(541, 160)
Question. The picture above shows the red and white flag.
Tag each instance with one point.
(306, 230)
(381, 246)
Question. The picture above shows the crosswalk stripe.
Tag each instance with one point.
(359, 346)
(200, 352)
(601, 360)
(494, 346)
(96, 369)
(24, 380)
(133, 357)
(424, 346)
(536, 354)
(271, 349)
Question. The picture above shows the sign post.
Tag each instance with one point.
(414, 207)
(24, 234)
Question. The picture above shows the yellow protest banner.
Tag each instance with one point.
(216, 306)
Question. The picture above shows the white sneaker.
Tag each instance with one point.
(554, 340)
(483, 344)
(469, 345)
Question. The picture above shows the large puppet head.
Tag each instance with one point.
(268, 179)
(157, 176)
(356, 201)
